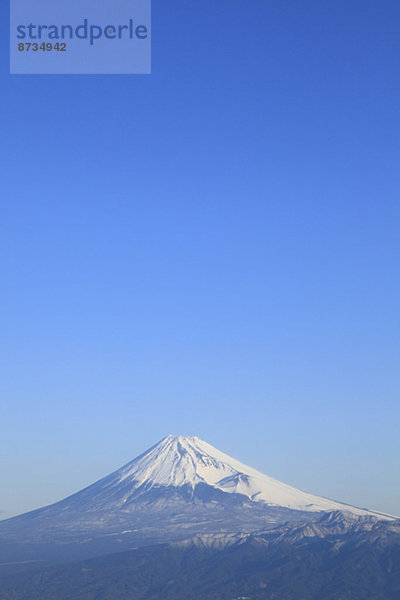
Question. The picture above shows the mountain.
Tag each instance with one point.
(184, 462)
(180, 487)
(339, 556)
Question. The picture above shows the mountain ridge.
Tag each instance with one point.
(177, 461)
(181, 486)
(336, 556)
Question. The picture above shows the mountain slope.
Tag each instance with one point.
(339, 556)
(182, 486)
(180, 461)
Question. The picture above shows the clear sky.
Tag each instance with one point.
(210, 250)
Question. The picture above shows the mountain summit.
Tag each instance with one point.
(180, 487)
(187, 461)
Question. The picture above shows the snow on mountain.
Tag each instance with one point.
(337, 523)
(189, 461)
(179, 488)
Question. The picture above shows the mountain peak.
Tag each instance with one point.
(179, 460)
(180, 486)
(183, 439)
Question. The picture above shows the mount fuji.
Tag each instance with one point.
(180, 487)
(188, 462)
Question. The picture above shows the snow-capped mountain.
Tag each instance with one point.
(330, 524)
(180, 487)
(179, 461)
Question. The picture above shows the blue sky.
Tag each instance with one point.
(209, 250)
